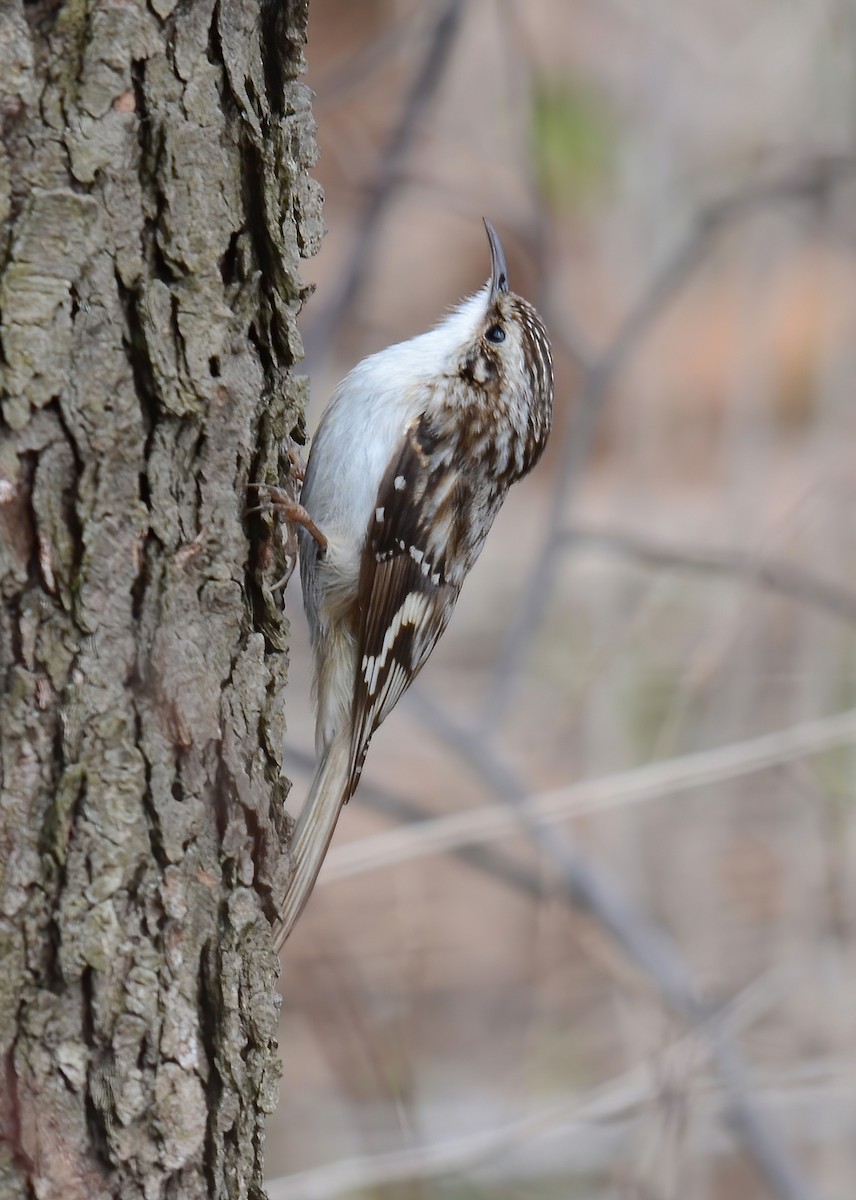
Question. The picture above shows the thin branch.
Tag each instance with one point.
(613, 1104)
(777, 576)
(485, 858)
(654, 781)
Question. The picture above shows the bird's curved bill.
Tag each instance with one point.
(498, 269)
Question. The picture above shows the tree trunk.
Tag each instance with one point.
(154, 201)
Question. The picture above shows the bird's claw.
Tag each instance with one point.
(290, 511)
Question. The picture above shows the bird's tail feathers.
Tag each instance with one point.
(313, 831)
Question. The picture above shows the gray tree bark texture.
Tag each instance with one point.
(154, 204)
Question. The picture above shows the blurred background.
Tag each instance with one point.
(619, 961)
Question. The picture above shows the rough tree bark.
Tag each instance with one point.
(154, 202)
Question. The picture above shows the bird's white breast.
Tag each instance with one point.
(365, 421)
(360, 431)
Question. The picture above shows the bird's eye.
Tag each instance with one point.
(495, 334)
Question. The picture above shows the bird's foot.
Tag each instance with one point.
(291, 513)
(289, 510)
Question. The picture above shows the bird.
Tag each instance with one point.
(408, 468)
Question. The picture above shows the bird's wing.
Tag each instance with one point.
(405, 593)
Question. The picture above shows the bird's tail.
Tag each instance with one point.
(313, 832)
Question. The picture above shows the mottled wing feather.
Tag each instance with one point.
(405, 600)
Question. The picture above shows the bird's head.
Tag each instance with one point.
(505, 348)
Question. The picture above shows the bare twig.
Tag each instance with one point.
(777, 576)
(613, 1104)
(483, 857)
(586, 1146)
(474, 826)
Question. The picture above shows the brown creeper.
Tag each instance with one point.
(411, 462)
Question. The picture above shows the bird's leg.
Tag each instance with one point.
(291, 511)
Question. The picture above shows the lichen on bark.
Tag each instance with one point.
(155, 201)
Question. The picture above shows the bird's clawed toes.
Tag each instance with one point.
(290, 511)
